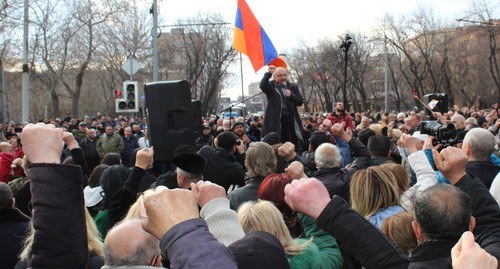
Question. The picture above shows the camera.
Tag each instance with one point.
(445, 135)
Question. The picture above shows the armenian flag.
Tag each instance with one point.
(251, 39)
(432, 104)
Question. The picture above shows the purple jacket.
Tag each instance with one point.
(189, 244)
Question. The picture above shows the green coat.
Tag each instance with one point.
(322, 252)
(107, 144)
(101, 222)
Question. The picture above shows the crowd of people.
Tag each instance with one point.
(368, 189)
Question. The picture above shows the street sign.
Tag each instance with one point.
(131, 66)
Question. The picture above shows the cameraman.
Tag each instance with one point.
(478, 145)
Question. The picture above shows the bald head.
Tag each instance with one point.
(478, 144)
(280, 75)
(459, 121)
(128, 244)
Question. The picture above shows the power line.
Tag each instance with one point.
(193, 24)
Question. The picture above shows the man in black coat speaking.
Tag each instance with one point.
(283, 98)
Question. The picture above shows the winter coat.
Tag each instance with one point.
(272, 119)
(14, 227)
(107, 144)
(322, 252)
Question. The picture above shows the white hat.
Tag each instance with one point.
(92, 196)
(420, 136)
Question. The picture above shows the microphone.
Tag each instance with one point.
(286, 85)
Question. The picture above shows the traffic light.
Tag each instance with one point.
(128, 101)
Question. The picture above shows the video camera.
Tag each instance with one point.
(445, 135)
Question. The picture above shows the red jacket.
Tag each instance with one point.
(334, 118)
(17, 153)
(5, 163)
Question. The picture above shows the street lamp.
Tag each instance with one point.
(346, 44)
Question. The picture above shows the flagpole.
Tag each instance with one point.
(241, 74)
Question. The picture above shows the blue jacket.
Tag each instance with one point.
(378, 218)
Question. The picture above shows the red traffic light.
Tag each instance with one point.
(118, 94)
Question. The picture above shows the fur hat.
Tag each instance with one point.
(192, 163)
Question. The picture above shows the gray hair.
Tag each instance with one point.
(481, 142)
(471, 120)
(458, 118)
(327, 156)
(190, 177)
(260, 159)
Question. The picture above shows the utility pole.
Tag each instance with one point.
(346, 44)
(154, 33)
(26, 70)
(241, 74)
(386, 59)
(2, 102)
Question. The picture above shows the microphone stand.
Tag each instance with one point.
(230, 108)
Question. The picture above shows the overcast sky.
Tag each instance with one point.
(287, 21)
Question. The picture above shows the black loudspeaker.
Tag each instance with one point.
(170, 116)
(440, 106)
(198, 127)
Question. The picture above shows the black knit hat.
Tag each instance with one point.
(317, 138)
(259, 250)
(271, 138)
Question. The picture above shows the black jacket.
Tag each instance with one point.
(272, 120)
(14, 227)
(125, 197)
(336, 180)
(90, 152)
(247, 193)
(222, 167)
(484, 170)
(59, 217)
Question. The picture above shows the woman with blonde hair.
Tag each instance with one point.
(400, 174)
(319, 251)
(375, 194)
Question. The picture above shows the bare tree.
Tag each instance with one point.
(482, 15)
(67, 40)
(208, 54)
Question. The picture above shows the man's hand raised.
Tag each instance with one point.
(451, 162)
(144, 158)
(206, 191)
(338, 130)
(70, 140)
(295, 170)
(308, 196)
(287, 151)
(166, 208)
